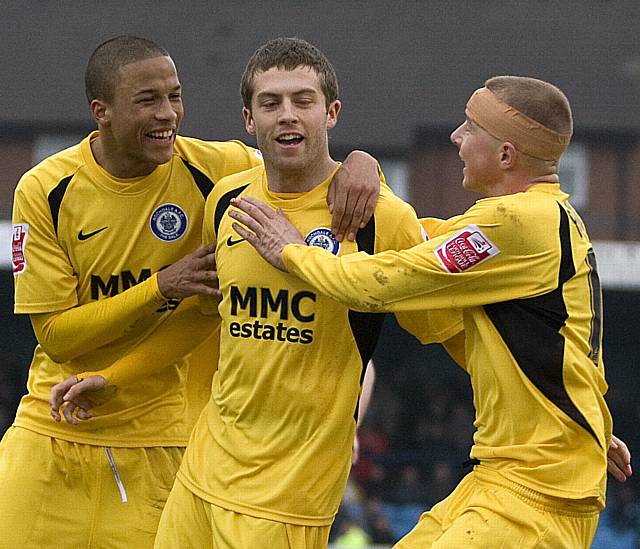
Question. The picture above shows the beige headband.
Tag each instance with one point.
(508, 124)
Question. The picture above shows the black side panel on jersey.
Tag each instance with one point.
(55, 199)
(366, 327)
(202, 181)
(224, 203)
(531, 330)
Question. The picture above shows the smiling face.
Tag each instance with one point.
(138, 126)
(480, 153)
(290, 119)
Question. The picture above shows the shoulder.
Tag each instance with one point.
(236, 181)
(229, 187)
(390, 205)
(215, 157)
(51, 172)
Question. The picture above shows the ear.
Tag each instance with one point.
(507, 156)
(248, 121)
(332, 114)
(100, 112)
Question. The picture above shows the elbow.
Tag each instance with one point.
(57, 353)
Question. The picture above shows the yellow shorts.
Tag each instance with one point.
(485, 510)
(56, 493)
(190, 521)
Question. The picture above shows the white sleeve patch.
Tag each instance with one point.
(18, 244)
(465, 250)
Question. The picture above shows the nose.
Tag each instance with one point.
(166, 110)
(455, 135)
(288, 112)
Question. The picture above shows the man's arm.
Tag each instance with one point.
(65, 335)
(175, 338)
(363, 405)
(353, 194)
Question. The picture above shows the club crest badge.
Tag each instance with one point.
(169, 222)
(323, 238)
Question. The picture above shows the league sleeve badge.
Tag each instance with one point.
(18, 245)
(466, 249)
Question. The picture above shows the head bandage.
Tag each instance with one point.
(508, 124)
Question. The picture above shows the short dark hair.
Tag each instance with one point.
(539, 100)
(288, 54)
(105, 61)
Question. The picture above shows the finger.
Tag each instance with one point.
(356, 219)
(251, 209)
(615, 471)
(250, 222)
(57, 392)
(267, 211)
(244, 233)
(338, 224)
(83, 415)
(331, 196)
(369, 208)
(68, 413)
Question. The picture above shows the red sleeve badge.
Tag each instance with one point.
(465, 250)
(18, 243)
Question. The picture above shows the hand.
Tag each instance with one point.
(272, 231)
(70, 394)
(619, 460)
(353, 194)
(355, 451)
(194, 274)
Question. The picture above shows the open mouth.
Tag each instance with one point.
(161, 135)
(290, 139)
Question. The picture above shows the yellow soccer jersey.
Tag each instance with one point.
(275, 440)
(522, 269)
(81, 235)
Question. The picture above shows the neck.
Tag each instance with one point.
(298, 180)
(108, 158)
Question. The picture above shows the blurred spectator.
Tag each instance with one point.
(409, 490)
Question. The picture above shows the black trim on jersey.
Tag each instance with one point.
(224, 203)
(366, 327)
(531, 327)
(202, 181)
(55, 200)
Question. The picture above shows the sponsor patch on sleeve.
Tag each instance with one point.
(18, 244)
(465, 250)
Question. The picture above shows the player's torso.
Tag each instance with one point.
(536, 361)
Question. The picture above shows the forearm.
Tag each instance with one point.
(68, 334)
(175, 338)
(387, 282)
(367, 390)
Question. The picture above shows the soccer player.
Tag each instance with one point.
(521, 266)
(268, 459)
(94, 227)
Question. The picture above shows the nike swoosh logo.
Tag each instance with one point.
(231, 242)
(83, 236)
